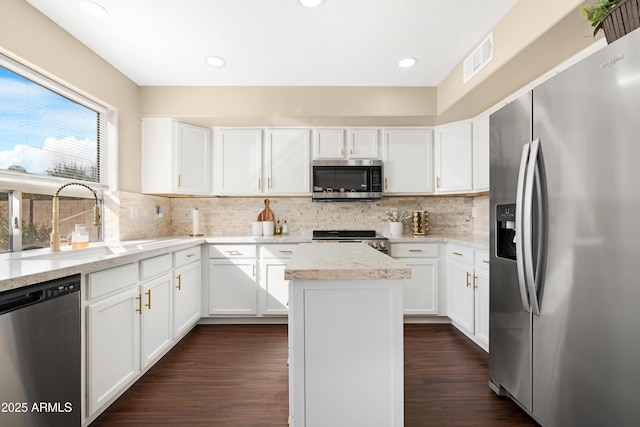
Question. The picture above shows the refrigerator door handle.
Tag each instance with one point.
(522, 175)
(534, 273)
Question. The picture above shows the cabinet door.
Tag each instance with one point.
(156, 331)
(232, 287)
(408, 161)
(481, 153)
(362, 144)
(420, 292)
(328, 144)
(287, 161)
(461, 297)
(274, 288)
(482, 305)
(453, 158)
(192, 156)
(238, 161)
(187, 290)
(113, 353)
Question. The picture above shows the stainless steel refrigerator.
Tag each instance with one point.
(565, 244)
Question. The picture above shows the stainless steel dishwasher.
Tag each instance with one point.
(40, 355)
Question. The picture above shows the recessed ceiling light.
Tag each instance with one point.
(407, 62)
(311, 3)
(92, 8)
(216, 61)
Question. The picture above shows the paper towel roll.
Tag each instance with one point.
(195, 216)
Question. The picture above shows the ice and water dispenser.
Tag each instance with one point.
(506, 231)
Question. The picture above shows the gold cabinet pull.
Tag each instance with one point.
(385, 183)
(467, 281)
(457, 253)
(234, 252)
(415, 250)
(286, 251)
(486, 261)
(148, 294)
(178, 180)
(475, 281)
(438, 182)
(259, 184)
(139, 309)
(269, 183)
(190, 255)
(179, 277)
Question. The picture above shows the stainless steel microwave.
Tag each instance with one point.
(347, 180)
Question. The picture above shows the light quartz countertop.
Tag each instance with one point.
(19, 269)
(338, 261)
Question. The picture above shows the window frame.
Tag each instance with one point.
(16, 183)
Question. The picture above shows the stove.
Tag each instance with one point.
(369, 237)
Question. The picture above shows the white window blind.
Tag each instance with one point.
(47, 130)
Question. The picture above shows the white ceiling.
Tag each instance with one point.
(280, 42)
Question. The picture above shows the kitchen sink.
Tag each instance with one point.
(75, 254)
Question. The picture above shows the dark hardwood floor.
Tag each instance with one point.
(236, 376)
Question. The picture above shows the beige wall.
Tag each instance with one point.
(534, 36)
(30, 38)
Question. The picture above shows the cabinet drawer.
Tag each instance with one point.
(460, 253)
(186, 256)
(421, 250)
(232, 251)
(154, 266)
(277, 251)
(107, 281)
(482, 259)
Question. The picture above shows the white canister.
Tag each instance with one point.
(256, 228)
(395, 228)
(267, 228)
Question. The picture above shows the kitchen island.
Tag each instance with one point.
(345, 336)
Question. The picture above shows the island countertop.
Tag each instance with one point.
(343, 261)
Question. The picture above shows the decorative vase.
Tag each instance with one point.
(395, 228)
(623, 18)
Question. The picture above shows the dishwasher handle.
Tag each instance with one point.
(21, 300)
(23, 297)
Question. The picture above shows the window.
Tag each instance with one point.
(46, 133)
(49, 136)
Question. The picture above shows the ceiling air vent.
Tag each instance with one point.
(480, 57)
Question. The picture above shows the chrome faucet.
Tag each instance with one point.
(55, 222)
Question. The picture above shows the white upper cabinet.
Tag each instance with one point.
(176, 157)
(238, 161)
(328, 144)
(287, 161)
(408, 160)
(454, 158)
(481, 153)
(336, 143)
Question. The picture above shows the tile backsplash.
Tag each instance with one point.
(138, 214)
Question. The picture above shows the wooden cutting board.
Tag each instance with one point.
(266, 214)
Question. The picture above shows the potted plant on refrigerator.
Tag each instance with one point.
(615, 17)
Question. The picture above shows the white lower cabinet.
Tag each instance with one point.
(248, 280)
(468, 292)
(113, 346)
(134, 314)
(155, 327)
(187, 290)
(420, 292)
(274, 289)
(233, 283)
